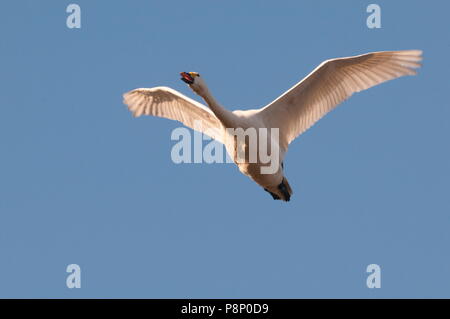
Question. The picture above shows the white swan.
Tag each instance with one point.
(292, 113)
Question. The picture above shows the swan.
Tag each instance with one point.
(292, 113)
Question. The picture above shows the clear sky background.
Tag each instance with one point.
(83, 182)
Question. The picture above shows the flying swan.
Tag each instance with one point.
(292, 113)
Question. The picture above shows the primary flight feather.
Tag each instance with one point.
(292, 113)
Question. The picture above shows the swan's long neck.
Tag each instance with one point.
(228, 119)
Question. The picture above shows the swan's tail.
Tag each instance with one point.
(285, 189)
(282, 192)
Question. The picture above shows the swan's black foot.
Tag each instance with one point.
(284, 190)
(274, 196)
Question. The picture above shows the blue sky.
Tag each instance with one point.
(83, 182)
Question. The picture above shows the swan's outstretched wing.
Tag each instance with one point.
(331, 83)
(168, 103)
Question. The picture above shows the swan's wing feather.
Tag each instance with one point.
(331, 83)
(168, 103)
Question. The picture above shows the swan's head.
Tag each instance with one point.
(194, 81)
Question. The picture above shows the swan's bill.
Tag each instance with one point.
(187, 77)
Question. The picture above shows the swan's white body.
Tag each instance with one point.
(292, 113)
